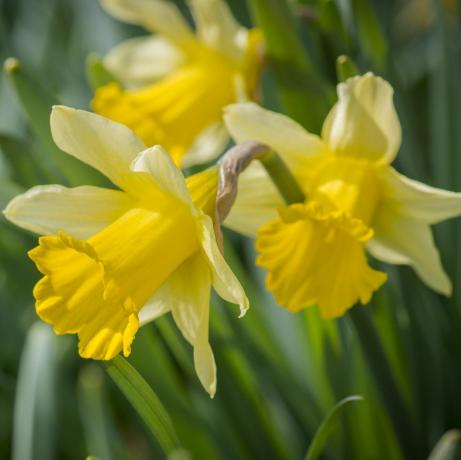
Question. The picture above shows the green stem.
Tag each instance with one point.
(385, 382)
(145, 402)
(282, 178)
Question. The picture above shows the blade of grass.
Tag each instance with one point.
(326, 428)
(34, 411)
(145, 402)
(304, 95)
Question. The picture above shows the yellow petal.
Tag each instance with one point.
(216, 27)
(175, 111)
(257, 201)
(401, 239)
(314, 257)
(364, 123)
(249, 122)
(417, 200)
(80, 211)
(96, 288)
(202, 188)
(224, 281)
(189, 288)
(141, 61)
(107, 146)
(158, 16)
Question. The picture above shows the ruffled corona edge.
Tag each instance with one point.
(314, 257)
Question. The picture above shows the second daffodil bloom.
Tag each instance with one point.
(113, 260)
(174, 84)
(314, 252)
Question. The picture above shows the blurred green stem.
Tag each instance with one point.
(382, 374)
(304, 95)
(145, 402)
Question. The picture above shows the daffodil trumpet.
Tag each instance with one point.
(113, 260)
(315, 251)
(173, 85)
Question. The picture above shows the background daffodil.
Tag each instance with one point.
(113, 260)
(173, 85)
(314, 252)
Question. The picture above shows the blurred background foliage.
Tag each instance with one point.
(279, 374)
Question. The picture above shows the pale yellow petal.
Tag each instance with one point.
(317, 258)
(158, 166)
(80, 211)
(141, 61)
(202, 188)
(156, 306)
(224, 281)
(364, 122)
(158, 16)
(257, 201)
(107, 146)
(209, 144)
(401, 239)
(417, 200)
(250, 122)
(216, 26)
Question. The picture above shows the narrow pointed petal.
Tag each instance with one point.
(400, 239)
(216, 26)
(189, 289)
(157, 16)
(141, 61)
(364, 123)
(250, 122)
(80, 211)
(224, 281)
(417, 200)
(107, 146)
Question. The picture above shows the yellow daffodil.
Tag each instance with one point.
(113, 260)
(174, 84)
(314, 252)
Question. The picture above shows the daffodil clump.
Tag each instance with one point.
(173, 85)
(113, 260)
(315, 252)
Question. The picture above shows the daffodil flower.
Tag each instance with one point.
(314, 252)
(176, 82)
(113, 260)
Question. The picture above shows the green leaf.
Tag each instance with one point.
(327, 426)
(34, 410)
(37, 102)
(24, 163)
(448, 448)
(345, 68)
(92, 411)
(305, 97)
(145, 402)
(96, 72)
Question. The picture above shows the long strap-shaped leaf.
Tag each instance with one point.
(145, 402)
(325, 429)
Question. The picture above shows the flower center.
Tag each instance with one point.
(347, 185)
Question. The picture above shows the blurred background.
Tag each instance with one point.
(279, 374)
